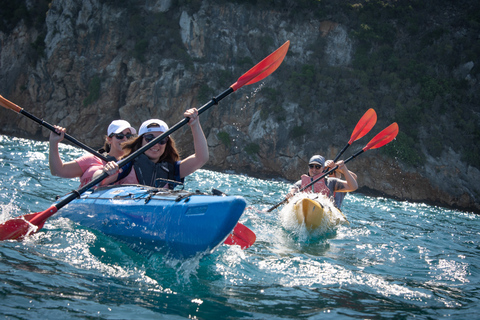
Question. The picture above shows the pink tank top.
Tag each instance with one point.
(89, 164)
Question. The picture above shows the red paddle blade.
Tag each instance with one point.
(17, 228)
(383, 137)
(20, 227)
(241, 236)
(9, 105)
(364, 126)
(263, 69)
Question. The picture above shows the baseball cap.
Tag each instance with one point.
(317, 159)
(162, 126)
(118, 126)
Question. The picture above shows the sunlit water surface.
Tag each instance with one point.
(394, 260)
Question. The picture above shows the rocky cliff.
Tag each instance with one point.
(93, 61)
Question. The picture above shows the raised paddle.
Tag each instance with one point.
(12, 106)
(382, 138)
(364, 125)
(19, 227)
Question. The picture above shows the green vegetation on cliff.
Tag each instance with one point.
(416, 62)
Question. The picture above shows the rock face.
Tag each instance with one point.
(92, 72)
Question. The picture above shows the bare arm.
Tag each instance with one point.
(350, 183)
(201, 155)
(57, 167)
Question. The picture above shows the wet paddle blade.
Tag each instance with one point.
(364, 125)
(383, 137)
(263, 69)
(242, 236)
(17, 228)
(20, 227)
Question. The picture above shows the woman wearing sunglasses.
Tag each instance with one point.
(327, 186)
(162, 161)
(118, 132)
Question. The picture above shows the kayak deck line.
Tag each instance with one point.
(150, 193)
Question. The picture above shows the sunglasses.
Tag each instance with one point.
(150, 137)
(316, 166)
(120, 136)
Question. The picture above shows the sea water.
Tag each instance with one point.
(395, 260)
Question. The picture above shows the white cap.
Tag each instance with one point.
(118, 126)
(162, 126)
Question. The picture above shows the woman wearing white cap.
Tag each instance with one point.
(327, 186)
(162, 161)
(119, 131)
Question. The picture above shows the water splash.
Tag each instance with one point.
(252, 95)
(395, 259)
(331, 219)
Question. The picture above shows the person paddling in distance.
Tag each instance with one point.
(337, 196)
(161, 161)
(118, 131)
(327, 186)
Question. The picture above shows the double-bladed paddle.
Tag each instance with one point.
(12, 106)
(382, 138)
(364, 125)
(23, 226)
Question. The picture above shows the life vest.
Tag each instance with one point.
(318, 187)
(148, 172)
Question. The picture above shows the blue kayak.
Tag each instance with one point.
(179, 223)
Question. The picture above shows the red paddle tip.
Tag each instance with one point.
(383, 137)
(20, 227)
(16, 229)
(364, 125)
(264, 68)
(242, 236)
(9, 104)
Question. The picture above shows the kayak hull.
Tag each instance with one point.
(309, 212)
(179, 223)
(317, 213)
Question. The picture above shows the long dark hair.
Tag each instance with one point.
(170, 154)
(106, 147)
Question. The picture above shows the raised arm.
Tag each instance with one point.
(200, 157)
(57, 167)
(350, 183)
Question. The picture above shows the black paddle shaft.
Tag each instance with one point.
(68, 137)
(341, 152)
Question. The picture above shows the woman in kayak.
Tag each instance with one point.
(326, 186)
(162, 161)
(118, 131)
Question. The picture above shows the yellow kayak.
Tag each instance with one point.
(315, 215)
